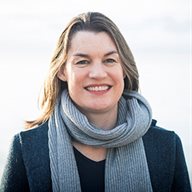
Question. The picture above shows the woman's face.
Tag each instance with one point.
(93, 73)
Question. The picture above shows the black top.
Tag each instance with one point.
(91, 173)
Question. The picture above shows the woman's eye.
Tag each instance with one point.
(110, 61)
(82, 62)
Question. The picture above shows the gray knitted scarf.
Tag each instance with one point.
(126, 166)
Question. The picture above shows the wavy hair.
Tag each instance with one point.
(53, 86)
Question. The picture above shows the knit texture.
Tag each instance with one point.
(126, 166)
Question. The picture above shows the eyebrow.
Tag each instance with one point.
(86, 55)
(111, 52)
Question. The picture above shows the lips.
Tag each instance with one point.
(98, 87)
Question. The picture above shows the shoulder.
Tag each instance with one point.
(160, 135)
(161, 143)
(35, 152)
(34, 133)
(24, 154)
(165, 159)
(28, 161)
(31, 137)
(32, 144)
(34, 141)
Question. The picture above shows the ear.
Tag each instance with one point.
(61, 74)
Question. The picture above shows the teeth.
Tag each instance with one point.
(98, 88)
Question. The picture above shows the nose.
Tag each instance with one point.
(97, 70)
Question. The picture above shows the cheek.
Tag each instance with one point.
(119, 75)
(120, 80)
(74, 81)
(69, 74)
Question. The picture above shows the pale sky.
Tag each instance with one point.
(158, 33)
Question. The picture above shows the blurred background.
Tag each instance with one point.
(158, 33)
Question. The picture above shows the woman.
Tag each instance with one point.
(95, 132)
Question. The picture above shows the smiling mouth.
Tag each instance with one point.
(98, 88)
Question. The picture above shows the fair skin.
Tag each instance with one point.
(95, 81)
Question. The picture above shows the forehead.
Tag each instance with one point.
(88, 41)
